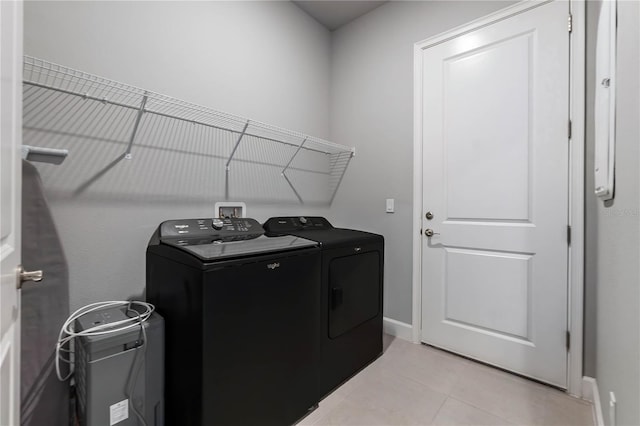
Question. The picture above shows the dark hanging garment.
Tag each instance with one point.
(44, 308)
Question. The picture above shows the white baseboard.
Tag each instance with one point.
(590, 393)
(399, 329)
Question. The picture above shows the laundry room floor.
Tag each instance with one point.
(419, 385)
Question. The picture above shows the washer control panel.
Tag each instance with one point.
(195, 228)
(284, 225)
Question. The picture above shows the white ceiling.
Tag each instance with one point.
(334, 14)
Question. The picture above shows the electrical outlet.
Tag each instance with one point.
(612, 408)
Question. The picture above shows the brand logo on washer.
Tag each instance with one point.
(273, 266)
(181, 226)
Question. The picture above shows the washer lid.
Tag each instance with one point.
(211, 249)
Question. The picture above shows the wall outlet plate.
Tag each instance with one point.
(224, 209)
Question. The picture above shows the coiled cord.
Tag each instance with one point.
(67, 333)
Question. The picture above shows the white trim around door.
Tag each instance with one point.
(576, 20)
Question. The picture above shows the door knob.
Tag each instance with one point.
(23, 276)
(430, 233)
(429, 215)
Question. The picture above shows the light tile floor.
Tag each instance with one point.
(419, 385)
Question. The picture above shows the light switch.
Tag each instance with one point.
(390, 205)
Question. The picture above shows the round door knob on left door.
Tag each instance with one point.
(430, 233)
(23, 276)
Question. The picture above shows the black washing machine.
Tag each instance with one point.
(351, 295)
(242, 321)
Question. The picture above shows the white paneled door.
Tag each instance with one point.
(10, 186)
(495, 104)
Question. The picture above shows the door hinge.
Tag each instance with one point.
(570, 23)
(569, 129)
(568, 340)
(569, 234)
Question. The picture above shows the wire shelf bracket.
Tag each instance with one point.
(235, 147)
(127, 154)
(293, 156)
(287, 166)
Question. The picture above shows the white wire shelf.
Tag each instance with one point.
(64, 104)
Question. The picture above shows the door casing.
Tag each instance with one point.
(10, 208)
(575, 19)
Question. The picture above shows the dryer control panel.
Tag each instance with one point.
(198, 228)
(285, 225)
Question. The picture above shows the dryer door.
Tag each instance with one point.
(354, 291)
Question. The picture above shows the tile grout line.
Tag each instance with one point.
(484, 410)
(463, 366)
(435, 416)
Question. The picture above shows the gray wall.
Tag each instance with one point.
(268, 61)
(372, 109)
(613, 281)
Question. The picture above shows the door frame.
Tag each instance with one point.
(575, 308)
(11, 13)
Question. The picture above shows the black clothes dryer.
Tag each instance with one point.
(242, 320)
(351, 295)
